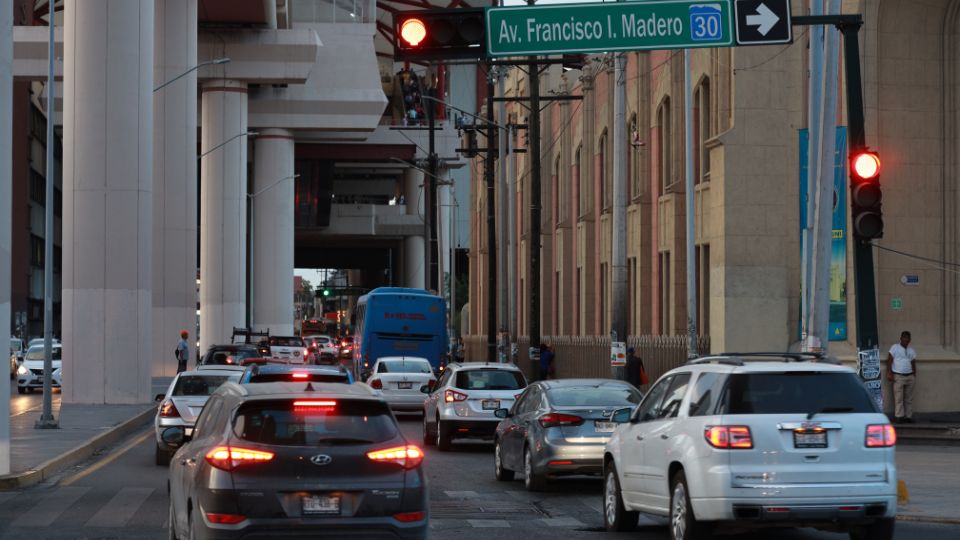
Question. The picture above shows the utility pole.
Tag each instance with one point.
(814, 132)
(490, 178)
(430, 200)
(692, 351)
(618, 320)
(47, 421)
(533, 150)
(503, 291)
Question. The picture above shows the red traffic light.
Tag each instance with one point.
(865, 194)
(413, 32)
(866, 165)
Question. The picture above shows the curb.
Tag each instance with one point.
(928, 519)
(81, 452)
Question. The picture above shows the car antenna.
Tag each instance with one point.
(309, 387)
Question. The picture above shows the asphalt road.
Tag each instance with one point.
(29, 403)
(122, 494)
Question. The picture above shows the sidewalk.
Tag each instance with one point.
(932, 477)
(37, 454)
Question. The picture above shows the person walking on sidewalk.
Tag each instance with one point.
(546, 362)
(182, 351)
(902, 372)
(635, 373)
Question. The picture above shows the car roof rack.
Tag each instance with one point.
(733, 358)
(715, 359)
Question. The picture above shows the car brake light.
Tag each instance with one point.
(225, 519)
(314, 405)
(228, 458)
(169, 410)
(376, 384)
(880, 436)
(407, 457)
(729, 437)
(410, 517)
(300, 376)
(558, 419)
(306, 352)
(452, 395)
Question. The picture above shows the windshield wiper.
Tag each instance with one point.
(343, 440)
(829, 410)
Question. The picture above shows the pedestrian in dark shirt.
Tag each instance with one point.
(635, 373)
(546, 362)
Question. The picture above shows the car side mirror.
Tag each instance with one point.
(502, 413)
(175, 436)
(622, 415)
(159, 397)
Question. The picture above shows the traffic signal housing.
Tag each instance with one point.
(440, 34)
(865, 195)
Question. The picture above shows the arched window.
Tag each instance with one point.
(633, 158)
(701, 120)
(604, 173)
(664, 142)
(557, 181)
(584, 203)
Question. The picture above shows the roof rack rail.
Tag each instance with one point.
(786, 356)
(715, 359)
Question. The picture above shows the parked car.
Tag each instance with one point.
(30, 371)
(291, 347)
(399, 379)
(226, 355)
(463, 401)
(725, 442)
(558, 428)
(295, 373)
(275, 460)
(183, 401)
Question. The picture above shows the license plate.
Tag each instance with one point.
(490, 404)
(605, 427)
(318, 504)
(404, 385)
(809, 439)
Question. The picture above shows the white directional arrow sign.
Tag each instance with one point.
(763, 19)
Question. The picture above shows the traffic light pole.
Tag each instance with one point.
(534, 240)
(866, 301)
(488, 163)
(430, 204)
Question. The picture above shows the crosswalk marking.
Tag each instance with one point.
(121, 508)
(50, 507)
(461, 494)
(488, 523)
(562, 522)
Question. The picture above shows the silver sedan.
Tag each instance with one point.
(558, 428)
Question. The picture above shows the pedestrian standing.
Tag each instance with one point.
(635, 372)
(546, 362)
(182, 351)
(902, 372)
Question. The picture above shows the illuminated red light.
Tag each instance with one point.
(314, 405)
(866, 165)
(225, 519)
(407, 457)
(300, 375)
(228, 458)
(413, 31)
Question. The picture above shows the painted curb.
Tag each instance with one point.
(81, 452)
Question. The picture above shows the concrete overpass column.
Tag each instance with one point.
(223, 205)
(174, 181)
(273, 225)
(107, 200)
(413, 246)
(6, 211)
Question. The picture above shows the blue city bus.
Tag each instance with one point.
(396, 321)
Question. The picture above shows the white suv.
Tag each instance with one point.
(462, 403)
(754, 440)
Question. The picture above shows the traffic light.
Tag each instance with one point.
(865, 195)
(326, 292)
(439, 34)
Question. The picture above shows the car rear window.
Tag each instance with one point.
(201, 385)
(280, 422)
(489, 379)
(310, 376)
(276, 341)
(404, 366)
(601, 395)
(795, 392)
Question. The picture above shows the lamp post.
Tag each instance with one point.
(251, 197)
(224, 143)
(215, 61)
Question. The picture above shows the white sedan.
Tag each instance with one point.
(399, 378)
(183, 401)
(30, 372)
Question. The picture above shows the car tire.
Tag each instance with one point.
(532, 480)
(502, 473)
(683, 523)
(21, 390)
(192, 532)
(616, 518)
(161, 457)
(442, 436)
(171, 527)
(881, 529)
(428, 439)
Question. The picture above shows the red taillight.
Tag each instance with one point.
(729, 437)
(376, 384)
(880, 436)
(306, 352)
(169, 410)
(452, 395)
(407, 457)
(228, 458)
(314, 405)
(410, 517)
(431, 382)
(225, 519)
(300, 376)
(558, 419)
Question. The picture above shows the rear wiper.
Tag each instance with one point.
(343, 440)
(829, 410)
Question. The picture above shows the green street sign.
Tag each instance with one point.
(622, 26)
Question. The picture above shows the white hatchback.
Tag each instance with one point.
(725, 442)
(398, 380)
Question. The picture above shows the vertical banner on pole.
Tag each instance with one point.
(838, 259)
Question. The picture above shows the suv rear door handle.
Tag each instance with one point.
(639, 437)
(664, 436)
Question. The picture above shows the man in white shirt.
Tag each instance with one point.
(902, 370)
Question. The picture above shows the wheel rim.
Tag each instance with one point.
(438, 432)
(496, 458)
(610, 498)
(679, 520)
(528, 467)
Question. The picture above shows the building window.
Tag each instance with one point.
(38, 188)
(582, 192)
(605, 187)
(664, 291)
(631, 294)
(576, 313)
(556, 192)
(633, 158)
(36, 251)
(604, 277)
(701, 121)
(664, 138)
(556, 303)
(703, 289)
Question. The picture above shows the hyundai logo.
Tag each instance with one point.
(321, 459)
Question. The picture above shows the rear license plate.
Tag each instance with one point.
(404, 385)
(809, 439)
(319, 504)
(604, 427)
(490, 404)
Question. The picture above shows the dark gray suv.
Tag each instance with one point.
(314, 460)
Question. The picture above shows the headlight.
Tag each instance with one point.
(22, 370)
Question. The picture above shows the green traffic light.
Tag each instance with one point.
(326, 292)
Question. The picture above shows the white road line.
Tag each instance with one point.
(461, 494)
(562, 522)
(121, 507)
(45, 512)
(488, 523)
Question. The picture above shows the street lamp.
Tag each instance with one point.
(252, 196)
(224, 143)
(215, 61)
